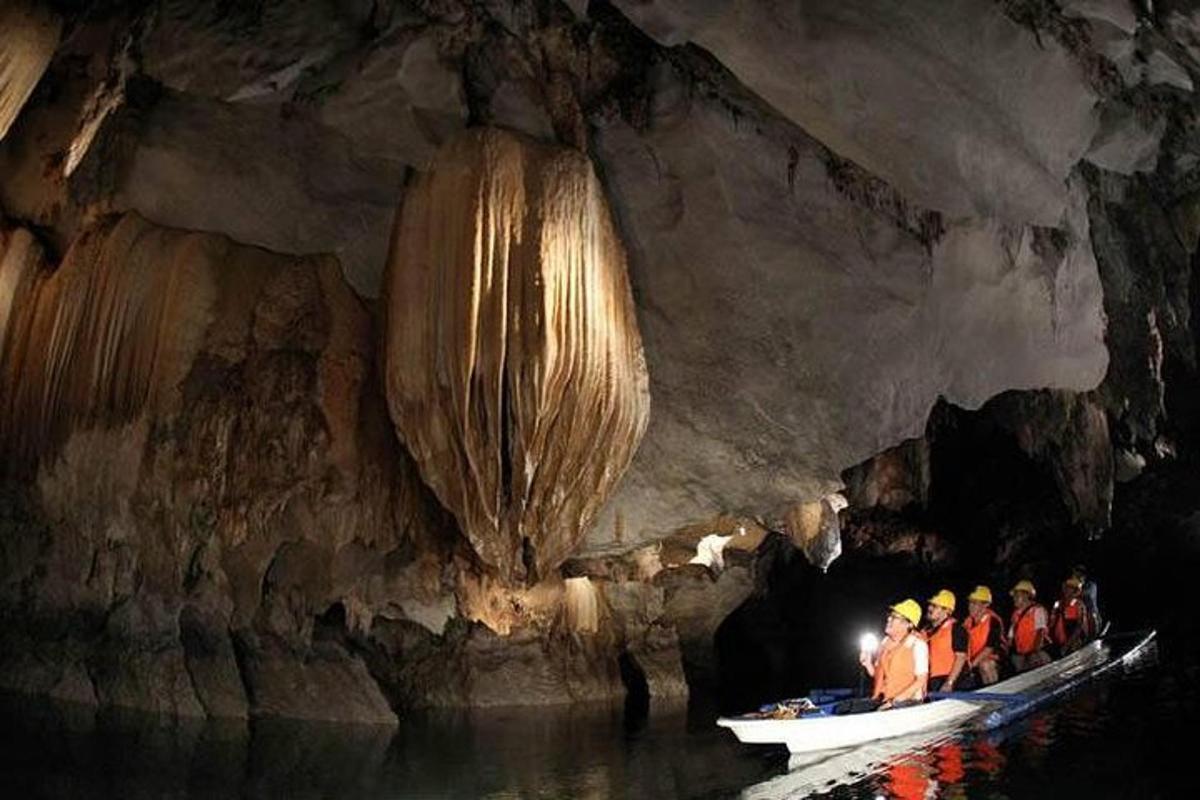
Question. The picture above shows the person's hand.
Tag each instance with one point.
(864, 659)
(948, 686)
(885, 705)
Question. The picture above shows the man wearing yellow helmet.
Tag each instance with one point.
(947, 642)
(901, 667)
(1029, 629)
(985, 630)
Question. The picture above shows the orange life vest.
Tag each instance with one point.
(1073, 611)
(896, 668)
(1024, 634)
(941, 649)
(978, 633)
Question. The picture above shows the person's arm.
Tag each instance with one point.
(995, 643)
(868, 663)
(912, 691)
(959, 642)
(1041, 629)
(1082, 629)
(1074, 627)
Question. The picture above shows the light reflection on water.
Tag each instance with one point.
(1109, 740)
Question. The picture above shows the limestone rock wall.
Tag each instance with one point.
(954, 105)
(762, 245)
(186, 438)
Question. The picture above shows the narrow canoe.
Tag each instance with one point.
(997, 705)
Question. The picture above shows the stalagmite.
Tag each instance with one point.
(514, 366)
(28, 36)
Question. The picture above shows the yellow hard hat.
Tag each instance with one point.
(1024, 586)
(909, 610)
(944, 598)
(982, 594)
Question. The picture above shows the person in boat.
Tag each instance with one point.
(1028, 632)
(901, 666)
(947, 642)
(985, 635)
(1090, 595)
(1070, 623)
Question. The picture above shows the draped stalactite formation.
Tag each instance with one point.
(28, 36)
(110, 333)
(21, 261)
(514, 366)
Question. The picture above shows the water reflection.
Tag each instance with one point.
(581, 752)
(1108, 740)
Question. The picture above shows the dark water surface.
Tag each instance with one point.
(1132, 735)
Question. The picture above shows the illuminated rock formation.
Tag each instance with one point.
(28, 35)
(514, 366)
(21, 261)
(189, 414)
(815, 529)
(110, 333)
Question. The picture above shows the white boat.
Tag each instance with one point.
(1000, 703)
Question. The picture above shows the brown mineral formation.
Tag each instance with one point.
(21, 259)
(514, 366)
(108, 334)
(191, 415)
(28, 36)
(814, 527)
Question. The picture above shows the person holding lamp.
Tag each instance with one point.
(900, 667)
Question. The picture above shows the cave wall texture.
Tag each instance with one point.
(369, 355)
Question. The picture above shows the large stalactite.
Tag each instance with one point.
(514, 366)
